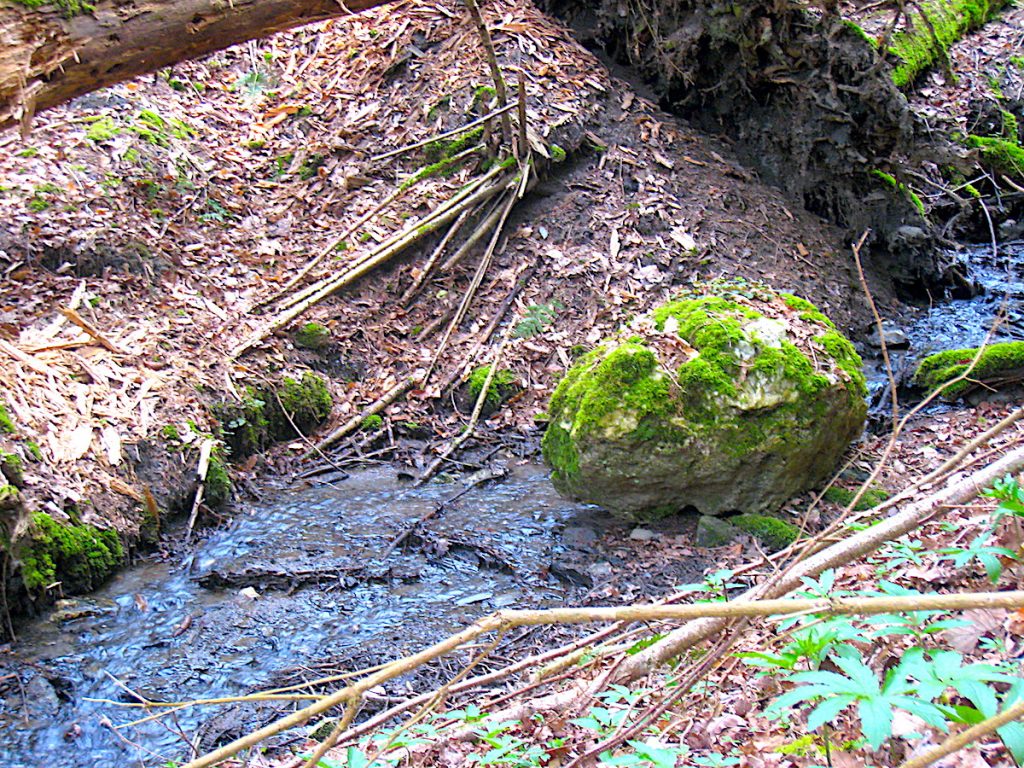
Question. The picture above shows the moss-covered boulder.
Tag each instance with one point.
(735, 398)
(998, 364)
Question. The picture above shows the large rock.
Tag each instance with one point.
(725, 401)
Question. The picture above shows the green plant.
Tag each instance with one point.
(506, 749)
(538, 317)
(984, 553)
(309, 167)
(1010, 496)
(254, 82)
(372, 423)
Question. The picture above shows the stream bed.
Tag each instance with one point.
(157, 631)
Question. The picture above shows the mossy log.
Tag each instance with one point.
(53, 52)
(995, 365)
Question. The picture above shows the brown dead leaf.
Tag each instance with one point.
(965, 639)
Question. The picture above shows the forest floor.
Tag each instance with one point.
(167, 210)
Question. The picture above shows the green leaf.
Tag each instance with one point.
(829, 710)
(875, 720)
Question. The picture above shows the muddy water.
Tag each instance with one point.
(961, 323)
(158, 632)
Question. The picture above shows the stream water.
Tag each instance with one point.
(155, 630)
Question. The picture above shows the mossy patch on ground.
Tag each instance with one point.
(1005, 156)
(313, 336)
(265, 416)
(218, 482)
(372, 423)
(502, 386)
(79, 557)
(12, 468)
(10, 498)
(871, 498)
(7, 425)
(926, 40)
(997, 362)
(773, 533)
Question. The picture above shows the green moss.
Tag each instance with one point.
(485, 94)
(103, 129)
(10, 498)
(1003, 155)
(69, 8)
(169, 432)
(445, 149)
(217, 489)
(858, 31)
(557, 154)
(372, 423)
(619, 391)
(927, 41)
(80, 557)
(12, 468)
(807, 310)
(846, 357)
(312, 336)
(6, 422)
(773, 533)
(843, 496)
(307, 401)
(34, 450)
(244, 426)
(902, 188)
(996, 360)
(623, 393)
(503, 385)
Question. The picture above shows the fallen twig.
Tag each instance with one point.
(356, 421)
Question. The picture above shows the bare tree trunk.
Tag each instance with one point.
(53, 53)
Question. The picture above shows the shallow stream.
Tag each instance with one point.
(156, 630)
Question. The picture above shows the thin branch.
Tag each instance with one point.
(959, 741)
(492, 61)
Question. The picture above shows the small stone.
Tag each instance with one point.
(642, 534)
(911, 235)
(249, 593)
(600, 571)
(578, 536)
(894, 337)
(714, 532)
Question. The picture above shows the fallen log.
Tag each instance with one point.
(54, 52)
